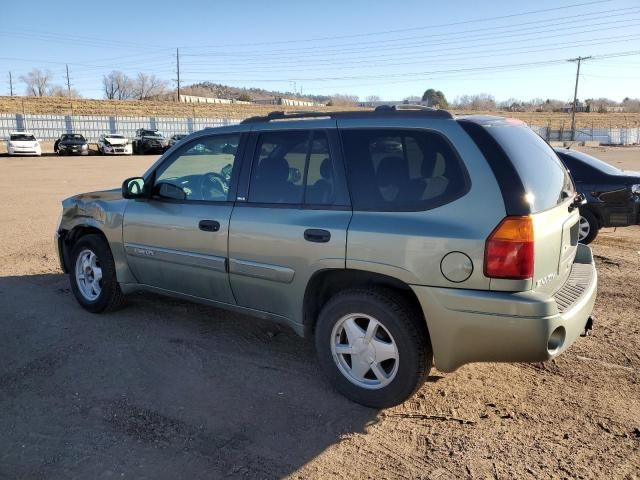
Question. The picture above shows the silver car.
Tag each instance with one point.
(397, 238)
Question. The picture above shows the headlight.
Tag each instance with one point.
(85, 146)
(36, 144)
(10, 144)
(635, 189)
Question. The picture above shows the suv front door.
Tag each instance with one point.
(176, 240)
(291, 216)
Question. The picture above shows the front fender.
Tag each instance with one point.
(97, 213)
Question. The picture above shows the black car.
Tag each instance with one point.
(149, 141)
(176, 138)
(613, 195)
(71, 144)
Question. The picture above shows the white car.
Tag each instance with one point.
(114, 144)
(23, 143)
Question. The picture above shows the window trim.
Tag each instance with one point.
(235, 173)
(337, 160)
(440, 201)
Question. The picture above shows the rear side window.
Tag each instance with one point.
(401, 170)
(544, 178)
(295, 168)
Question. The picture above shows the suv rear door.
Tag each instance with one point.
(291, 215)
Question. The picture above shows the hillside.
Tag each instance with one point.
(125, 108)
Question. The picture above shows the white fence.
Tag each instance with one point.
(50, 127)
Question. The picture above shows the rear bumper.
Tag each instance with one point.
(485, 326)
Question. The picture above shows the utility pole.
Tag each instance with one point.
(575, 96)
(68, 82)
(178, 71)
(10, 84)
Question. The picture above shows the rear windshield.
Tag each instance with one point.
(545, 180)
(20, 137)
(73, 136)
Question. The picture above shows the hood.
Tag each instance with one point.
(24, 143)
(115, 141)
(71, 141)
(151, 137)
(104, 195)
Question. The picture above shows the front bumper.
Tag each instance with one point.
(24, 151)
(117, 150)
(484, 326)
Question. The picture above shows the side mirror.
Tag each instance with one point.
(134, 187)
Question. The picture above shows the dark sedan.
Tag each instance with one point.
(71, 144)
(613, 195)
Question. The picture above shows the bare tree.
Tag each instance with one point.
(37, 82)
(372, 99)
(60, 91)
(147, 86)
(117, 86)
(340, 99)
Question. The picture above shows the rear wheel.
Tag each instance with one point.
(93, 275)
(588, 227)
(373, 346)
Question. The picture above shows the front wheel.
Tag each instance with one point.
(93, 275)
(588, 227)
(373, 346)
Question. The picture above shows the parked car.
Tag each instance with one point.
(461, 246)
(114, 144)
(613, 195)
(176, 138)
(149, 141)
(23, 143)
(71, 144)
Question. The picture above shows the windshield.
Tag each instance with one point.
(592, 162)
(114, 136)
(151, 133)
(21, 137)
(73, 136)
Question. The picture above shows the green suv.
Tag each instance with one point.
(396, 238)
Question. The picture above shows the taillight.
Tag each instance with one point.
(509, 249)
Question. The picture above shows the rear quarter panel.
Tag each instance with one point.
(410, 245)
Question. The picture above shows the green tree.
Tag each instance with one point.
(435, 98)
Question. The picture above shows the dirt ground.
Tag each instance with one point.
(168, 389)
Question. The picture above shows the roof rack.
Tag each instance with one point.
(382, 110)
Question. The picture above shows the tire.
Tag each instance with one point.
(588, 227)
(402, 326)
(107, 296)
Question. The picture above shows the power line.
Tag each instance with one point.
(498, 32)
(426, 27)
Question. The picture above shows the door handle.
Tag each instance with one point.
(317, 235)
(209, 225)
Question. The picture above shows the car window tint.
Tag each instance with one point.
(544, 177)
(401, 170)
(278, 168)
(201, 169)
(321, 187)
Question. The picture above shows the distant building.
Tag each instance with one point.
(196, 99)
(291, 102)
(580, 107)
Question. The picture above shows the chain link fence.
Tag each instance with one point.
(50, 127)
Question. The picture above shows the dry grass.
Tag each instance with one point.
(131, 108)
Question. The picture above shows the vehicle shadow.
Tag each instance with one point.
(159, 389)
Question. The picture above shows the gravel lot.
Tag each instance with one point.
(168, 389)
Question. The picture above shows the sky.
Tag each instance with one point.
(389, 49)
